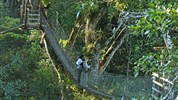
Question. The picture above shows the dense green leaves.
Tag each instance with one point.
(8, 22)
(160, 20)
(66, 13)
(26, 71)
(4, 10)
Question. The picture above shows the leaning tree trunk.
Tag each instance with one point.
(115, 41)
(75, 31)
(91, 38)
(111, 50)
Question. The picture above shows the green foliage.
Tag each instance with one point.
(141, 98)
(23, 69)
(87, 7)
(8, 22)
(147, 64)
(78, 96)
(67, 13)
(1, 8)
(12, 89)
(44, 83)
(44, 2)
(169, 67)
(63, 42)
(27, 73)
(160, 20)
(118, 5)
(4, 9)
(152, 63)
(115, 7)
(10, 64)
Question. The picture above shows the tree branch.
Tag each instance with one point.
(52, 62)
(11, 29)
(111, 50)
(114, 31)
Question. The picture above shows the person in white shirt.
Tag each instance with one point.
(81, 66)
(79, 63)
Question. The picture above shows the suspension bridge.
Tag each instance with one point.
(106, 85)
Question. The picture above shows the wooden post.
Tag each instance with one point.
(29, 4)
(40, 7)
(24, 2)
(157, 87)
(21, 13)
(162, 51)
(156, 80)
(26, 17)
(161, 87)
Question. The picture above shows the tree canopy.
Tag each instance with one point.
(119, 35)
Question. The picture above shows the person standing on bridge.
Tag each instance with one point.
(80, 66)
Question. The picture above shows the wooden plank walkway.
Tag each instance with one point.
(65, 62)
(57, 49)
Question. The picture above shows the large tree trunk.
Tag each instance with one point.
(91, 38)
(75, 31)
(89, 31)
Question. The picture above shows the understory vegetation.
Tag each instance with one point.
(26, 71)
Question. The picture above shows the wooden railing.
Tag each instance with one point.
(30, 13)
(161, 87)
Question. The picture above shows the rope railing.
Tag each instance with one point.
(120, 85)
(71, 53)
